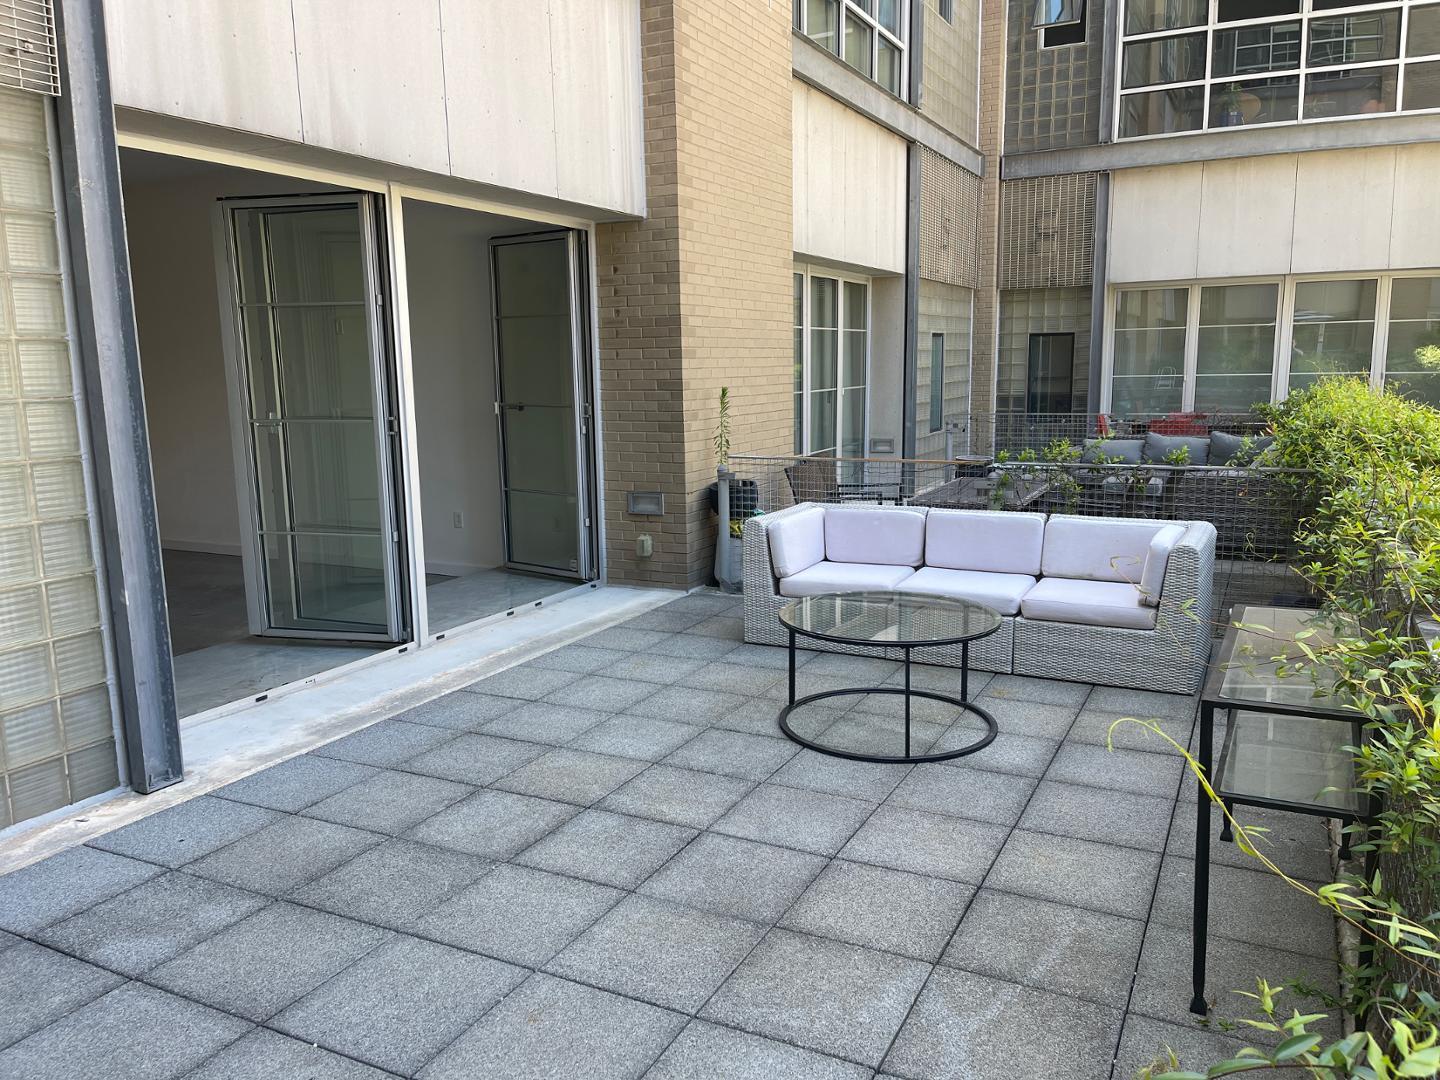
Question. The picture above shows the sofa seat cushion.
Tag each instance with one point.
(888, 536)
(1095, 603)
(1000, 543)
(1097, 549)
(828, 577)
(1001, 592)
(797, 540)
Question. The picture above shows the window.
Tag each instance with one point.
(1222, 347)
(832, 355)
(937, 382)
(869, 35)
(946, 9)
(1049, 13)
(1272, 62)
(1048, 387)
(1053, 37)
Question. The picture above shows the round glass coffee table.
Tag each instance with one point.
(871, 620)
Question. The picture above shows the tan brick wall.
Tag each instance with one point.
(992, 101)
(951, 50)
(698, 295)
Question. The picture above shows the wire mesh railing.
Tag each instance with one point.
(1015, 432)
(1255, 511)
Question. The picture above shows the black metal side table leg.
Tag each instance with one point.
(907, 701)
(965, 671)
(1200, 916)
(792, 667)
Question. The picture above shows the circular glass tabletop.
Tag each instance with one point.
(887, 618)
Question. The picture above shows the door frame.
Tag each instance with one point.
(582, 395)
(386, 425)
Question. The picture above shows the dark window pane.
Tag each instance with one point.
(1054, 37)
(1235, 10)
(1423, 37)
(1352, 92)
(1160, 111)
(1148, 16)
(1164, 60)
(937, 381)
(1355, 39)
(1422, 86)
(1051, 374)
(858, 53)
(1248, 50)
(1258, 101)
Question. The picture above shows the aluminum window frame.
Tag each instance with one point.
(844, 8)
(1284, 327)
(1305, 17)
(807, 274)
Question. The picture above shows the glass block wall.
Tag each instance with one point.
(57, 738)
(945, 312)
(1041, 311)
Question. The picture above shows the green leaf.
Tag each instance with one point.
(1296, 1045)
(1235, 1065)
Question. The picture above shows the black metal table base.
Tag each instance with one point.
(962, 702)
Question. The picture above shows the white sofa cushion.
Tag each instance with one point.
(1001, 543)
(1156, 559)
(797, 540)
(1002, 592)
(888, 536)
(1095, 603)
(828, 577)
(1097, 550)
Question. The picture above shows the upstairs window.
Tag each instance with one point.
(869, 35)
(1196, 65)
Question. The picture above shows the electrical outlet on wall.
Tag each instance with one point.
(459, 520)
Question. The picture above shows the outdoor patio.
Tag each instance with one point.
(608, 862)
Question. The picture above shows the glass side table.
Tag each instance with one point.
(1284, 745)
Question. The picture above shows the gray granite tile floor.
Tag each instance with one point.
(608, 862)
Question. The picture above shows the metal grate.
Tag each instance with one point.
(949, 211)
(1047, 231)
(28, 56)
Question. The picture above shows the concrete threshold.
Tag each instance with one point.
(224, 748)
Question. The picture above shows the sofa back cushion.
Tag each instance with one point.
(999, 543)
(1097, 549)
(1156, 559)
(797, 541)
(1159, 447)
(888, 536)
(1121, 451)
(1228, 449)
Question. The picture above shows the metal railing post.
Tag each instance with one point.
(722, 540)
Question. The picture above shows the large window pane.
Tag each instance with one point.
(1164, 60)
(1256, 101)
(887, 71)
(1334, 330)
(1354, 39)
(1249, 50)
(822, 422)
(1234, 10)
(1422, 86)
(858, 52)
(1161, 111)
(1149, 350)
(1147, 16)
(823, 23)
(887, 12)
(1351, 92)
(1235, 347)
(1423, 37)
(937, 381)
(1412, 352)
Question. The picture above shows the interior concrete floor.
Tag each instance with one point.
(454, 601)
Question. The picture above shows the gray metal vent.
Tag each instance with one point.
(28, 58)
(1047, 231)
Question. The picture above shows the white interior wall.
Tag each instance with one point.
(169, 205)
(887, 361)
(1328, 211)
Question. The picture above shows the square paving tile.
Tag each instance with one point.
(41, 985)
(1297, 843)
(134, 1031)
(1103, 815)
(969, 793)
(1147, 1042)
(840, 776)
(476, 759)
(1144, 704)
(693, 647)
(525, 681)
(495, 824)
(626, 639)
(580, 658)
(460, 711)
(1101, 877)
(761, 716)
(768, 656)
(268, 1055)
(654, 667)
(879, 736)
(668, 619)
(260, 965)
(1052, 947)
(733, 678)
(185, 832)
(710, 1052)
(284, 855)
(572, 776)
(402, 1004)
(389, 801)
(734, 753)
(943, 680)
(965, 1025)
(386, 744)
(859, 670)
(1099, 728)
(724, 627)
(678, 796)
(543, 722)
(152, 923)
(603, 693)
(796, 818)
(1018, 755)
(520, 915)
(887, 704)
(1033, 718)
(1124, 770)
(641, 737)
(394, 883)
(658, 952)
(553, 1028)
(935, 845)
(56, 888)
(295, 784)
(824, 995)
(730, 876)
(687, 705)
(613, 849)
(881, 909)
(1045, 691)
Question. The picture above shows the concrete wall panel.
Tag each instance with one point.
(1343, 207)
(1415, 224)
(1154, 223)
(1247, 210)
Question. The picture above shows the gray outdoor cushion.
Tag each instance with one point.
(1157, 446)
(1228, 449)
(1127, 450)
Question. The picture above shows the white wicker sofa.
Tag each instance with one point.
(1116, 601)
